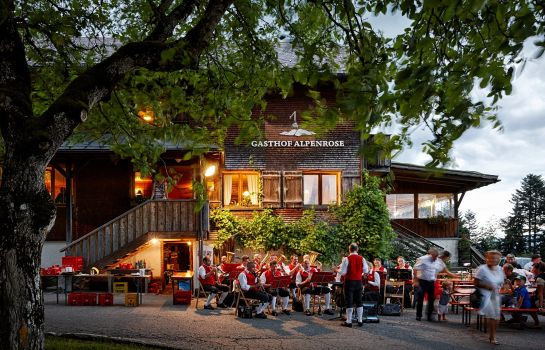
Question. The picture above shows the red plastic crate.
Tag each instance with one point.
(182, 297)
(105, 299)
(89, 299)
(75, 298)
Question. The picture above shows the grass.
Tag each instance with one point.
(60, 343)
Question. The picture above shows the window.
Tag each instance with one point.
(320, 189)
(55, 183)
(240, 189)
(401, 206)
(435, 204)
(143, 186)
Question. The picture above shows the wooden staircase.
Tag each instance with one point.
(413, 243)
(122, 236)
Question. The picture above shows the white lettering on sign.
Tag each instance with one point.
(307, 143)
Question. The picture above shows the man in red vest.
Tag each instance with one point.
(252, 289)
(266, 280)
(352, 268)
(207, 278)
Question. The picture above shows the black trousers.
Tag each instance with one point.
(352, 293)
(257, 294)
(425, 287)
(214, 289)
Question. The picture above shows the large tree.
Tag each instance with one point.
(527, 217)
(89, 64)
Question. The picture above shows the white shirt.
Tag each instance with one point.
(376, 282)
(427, 269)
(299, 278)
(344, 265)
(529, 266)
(243, 281)
(202, 272)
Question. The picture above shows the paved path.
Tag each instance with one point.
(160, 322)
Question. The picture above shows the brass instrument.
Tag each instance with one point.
(318, 265)
(312, 255)
(266, 259)
(230, 257)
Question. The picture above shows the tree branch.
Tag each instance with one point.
(166, 24)
(97, 83)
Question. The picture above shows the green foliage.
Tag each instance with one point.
(364, 219)
(525, 224)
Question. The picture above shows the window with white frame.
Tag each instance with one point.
(435, 204)
(400, 205)
(320, 188)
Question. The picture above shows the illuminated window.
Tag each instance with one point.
(320, 189)
(55, 183)
(400, 206)
(435, 204)
(143, 186)
(240, 189)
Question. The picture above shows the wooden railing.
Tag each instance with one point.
(446, 228)
(477, 258)
(153, 216)
(417, 244)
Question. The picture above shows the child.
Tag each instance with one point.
(442, 309)
(523, 300)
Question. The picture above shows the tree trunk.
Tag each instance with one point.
(27, 213)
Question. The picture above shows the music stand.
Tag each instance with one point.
(400, 274)
(322, 277)
(280, 282)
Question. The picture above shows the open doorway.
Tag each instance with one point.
(177, 257)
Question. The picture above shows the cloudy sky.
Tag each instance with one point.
(518, 151)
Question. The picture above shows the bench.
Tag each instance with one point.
(481, 324)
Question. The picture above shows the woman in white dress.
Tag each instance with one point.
(489, 279)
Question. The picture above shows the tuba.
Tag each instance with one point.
(312, 255)
(230, 256)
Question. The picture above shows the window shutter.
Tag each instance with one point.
(349, 179)
(293, 189)
(271, 189)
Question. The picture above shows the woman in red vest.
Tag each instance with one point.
(352, 268)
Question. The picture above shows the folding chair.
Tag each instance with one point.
(240, 295)
(397, 291)
(206, 294)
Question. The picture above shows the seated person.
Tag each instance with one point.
(371, 286)
(508, 290)
(250, 287)
(377, 265)
(539, 273)
(401, 264)
(244, 263)
(523, 301)
(511, 259)
(303, 282)
(292, 269)
(266, 280)
(207, 278)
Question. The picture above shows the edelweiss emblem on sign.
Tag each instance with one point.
(295, 131)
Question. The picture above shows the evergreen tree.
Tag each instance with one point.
(466, 229)
(528, 215)
(486, 237)
(513, 227)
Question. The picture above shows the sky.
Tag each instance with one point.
(511, 155)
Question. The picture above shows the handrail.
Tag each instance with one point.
(119, 217)
(413, 234)
(477, 258)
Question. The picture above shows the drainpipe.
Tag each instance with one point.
(69, 205)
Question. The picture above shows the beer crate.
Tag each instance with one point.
(131, 299)
(120, 287)
(105, 299)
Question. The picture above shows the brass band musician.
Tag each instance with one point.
(352, 268)
(250, 286)
(303, 282)
(207, 278)
(292, 269)
(266, 280)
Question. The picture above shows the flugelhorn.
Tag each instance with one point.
(312, 255)
(230, 257)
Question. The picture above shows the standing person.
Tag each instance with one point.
(352, 268)
(426, 269)
(489, 279)
(442, 308)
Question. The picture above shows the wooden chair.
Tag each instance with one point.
(240, 295)
(397, 291)
(202, 291)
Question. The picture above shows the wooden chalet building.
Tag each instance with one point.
(105, 212)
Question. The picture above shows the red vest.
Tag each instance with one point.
(371, 278)
(250, 278)
(269, 275)
(355, 268)
(406, 266)
(211, 279)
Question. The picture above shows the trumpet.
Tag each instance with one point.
(230, 256)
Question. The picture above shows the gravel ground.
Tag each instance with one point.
(158, 322)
